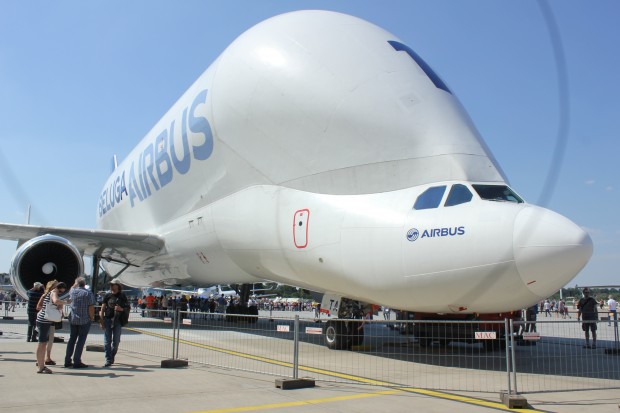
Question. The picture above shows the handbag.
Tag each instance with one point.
(52, 313)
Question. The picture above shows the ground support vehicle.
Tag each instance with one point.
(442, 329)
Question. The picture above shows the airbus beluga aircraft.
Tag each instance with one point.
(319, 151)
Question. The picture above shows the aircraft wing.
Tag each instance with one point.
(127, 247)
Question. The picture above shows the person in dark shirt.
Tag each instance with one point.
(115, 303)
(34, 294)
(588, 313)
(530, 316)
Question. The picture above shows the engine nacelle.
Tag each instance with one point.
(45, 258)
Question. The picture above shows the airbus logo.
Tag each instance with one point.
(413, 234)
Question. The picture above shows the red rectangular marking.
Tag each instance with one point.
(300, 228)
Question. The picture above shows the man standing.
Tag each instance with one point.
(150, 304)
(34, 295)
(82, 314)
(589, 314)
(114, 304)
(613, 309)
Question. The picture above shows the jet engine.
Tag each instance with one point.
(45, 258)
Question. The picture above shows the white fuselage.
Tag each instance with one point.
(297, 157)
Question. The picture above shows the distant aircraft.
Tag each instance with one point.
(216, 291)
(319, 151)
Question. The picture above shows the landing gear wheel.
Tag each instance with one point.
(335, 335)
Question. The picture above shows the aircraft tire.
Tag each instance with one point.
(335, 335)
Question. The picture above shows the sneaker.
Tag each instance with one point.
(107, 364)
(68, 365)
(80, 366)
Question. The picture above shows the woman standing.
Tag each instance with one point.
(52, 293)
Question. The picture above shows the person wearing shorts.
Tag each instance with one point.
(52, 295)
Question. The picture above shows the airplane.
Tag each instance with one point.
(206, 292)
(216, 291)
(318, 150)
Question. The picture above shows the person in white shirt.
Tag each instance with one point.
(613, 309)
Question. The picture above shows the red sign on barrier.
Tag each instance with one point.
(485, 335)
(314, 330)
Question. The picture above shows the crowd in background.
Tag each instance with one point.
(214, 304)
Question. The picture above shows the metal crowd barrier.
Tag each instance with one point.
(544, 356)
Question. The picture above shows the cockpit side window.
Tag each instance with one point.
(459, 194)
(431, 198)
(500, 193)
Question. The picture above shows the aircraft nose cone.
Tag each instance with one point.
(549, 250)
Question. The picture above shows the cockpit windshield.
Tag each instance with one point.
(500, 193)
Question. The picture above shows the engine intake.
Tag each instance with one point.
(45, 258)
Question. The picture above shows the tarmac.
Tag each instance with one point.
(138, 383)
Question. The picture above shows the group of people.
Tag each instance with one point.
(10, 299)
(152, 306)
(558, 307)
(160, 306)
(82, 313)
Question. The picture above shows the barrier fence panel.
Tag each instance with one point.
(554, 356)
(239, 342)
(151, 334)
(391, 356)
(13, 320)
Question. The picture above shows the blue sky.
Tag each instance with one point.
(81, 81)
